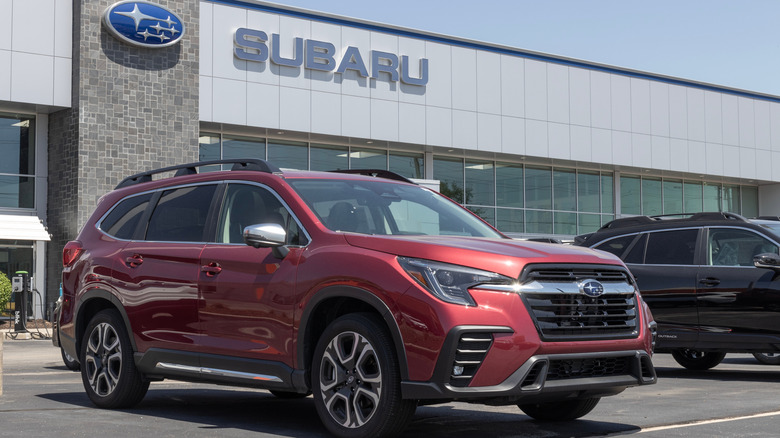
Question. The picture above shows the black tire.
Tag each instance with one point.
(356, 380)
(768, 358)
(288, 395)
(560, 411)
(108, 370)
(697, 360)
(71, 363)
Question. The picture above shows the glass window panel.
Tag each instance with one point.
(733, 247)
(637, 253)
(618, 245)
(538, 189)
(17, 191)
(509, 220)
(565, 223)
(368, 159)
(673, 197)
(180, 215)
(325, 157)
(243, 148)
(509, 185)
(17, 145)
(486, 213)
(692, 197)
(588, 223)
(651, 197)
(565, 190)
(671, 247)
(209, 149)
(246, 205)
(125, 217)
(749, 201)
(711, 197)
(607, 194)
(408, 165)
(480, 183)
(731, 199)
(606, 218)
(289, 155)
(537, 221)
(588, 190)
(630, 195)
(449, 172)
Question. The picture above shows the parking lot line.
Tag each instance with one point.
(705, 422)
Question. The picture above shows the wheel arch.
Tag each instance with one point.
(92, 302)
(331, 303)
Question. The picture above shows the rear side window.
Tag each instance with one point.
(617, 245)
(180, 215)
(123, 220)
(671, 247)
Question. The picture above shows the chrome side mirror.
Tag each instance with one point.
(767, 260)
(267, 236)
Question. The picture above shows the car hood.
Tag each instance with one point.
(503, 256)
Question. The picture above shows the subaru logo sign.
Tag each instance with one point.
(591, 288)
(143, 24)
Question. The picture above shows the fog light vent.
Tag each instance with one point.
(471, 351)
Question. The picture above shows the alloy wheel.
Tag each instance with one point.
(103, 359)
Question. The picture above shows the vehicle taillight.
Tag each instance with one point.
(71, 253)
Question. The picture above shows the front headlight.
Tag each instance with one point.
(450, 283)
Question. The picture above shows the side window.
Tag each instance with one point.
(671, 247)
(123, 219)
(246, 205)
(180, 215)
(618, 245)
(637, 253)
(734, 247)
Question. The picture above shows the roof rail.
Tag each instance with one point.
(639, 220)
(377, 173)
(718, 215)
(628, 222)
(191, 169)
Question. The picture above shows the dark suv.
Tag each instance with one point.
(712, 281)
(371, 292)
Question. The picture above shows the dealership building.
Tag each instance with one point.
(538, 145)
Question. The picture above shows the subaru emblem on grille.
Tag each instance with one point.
(591, 288)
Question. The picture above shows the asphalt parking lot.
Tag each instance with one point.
(42, 398)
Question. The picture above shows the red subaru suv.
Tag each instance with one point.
(369, 292)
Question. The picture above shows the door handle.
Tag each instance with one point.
(710, 281)
(134, 261)
(211, 269)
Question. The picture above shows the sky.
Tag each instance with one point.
(732, 43)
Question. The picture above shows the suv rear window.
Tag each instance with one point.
(180, 215)
(123, 219)
(671, 247)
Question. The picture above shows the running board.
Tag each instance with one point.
(216, 372)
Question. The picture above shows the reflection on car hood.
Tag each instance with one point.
(504, 256)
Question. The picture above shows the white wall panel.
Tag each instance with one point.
(581, 149)
(6, 24)
(289, 29)
(557, 93)
(730, 119)
(383, 87)
(62, 82)
(696, 116)
(489, 132)
(229, 99)
(774, 128)
(678, 155)
(261, 72)
(620, 95)
(661, 158)
(411, 123)
(640, 106)
(262, 105)
(32, 78)
(326, 80)
(415, 50)
(488, 83)
(763, 165)
(205, 103)
(512, 135)
(5, 75)
(775, 167)
(747, 125)
(601, 145)
(559, 141)
(762, 124)
(747, 162)
(659, 109)
(206, 39)
(512, 86)
(464, 79)
(641, 150)
(678, 112)
(731, 155)
(326, 113)
(438, 91)
(600, 101)
(352, 83)
(355, 116)
(438, 127)
(226, 20)
(33, 30)
(622, 149)
(697, 156)
(713, 158)
(464, 129)
(535, 90)
(536, 138)
(713, 117)
(384, 120)
(63, 28)
(579, 97)
(295, 109)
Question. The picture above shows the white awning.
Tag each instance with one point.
(13, 227)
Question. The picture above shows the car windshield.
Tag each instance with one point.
(381, 207)
(774, 226)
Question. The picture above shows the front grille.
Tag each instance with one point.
(471, 351)
(583, 368)
(562, 312)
